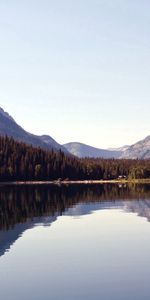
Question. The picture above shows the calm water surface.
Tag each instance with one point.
(74, 243)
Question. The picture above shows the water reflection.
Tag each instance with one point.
(22, 207)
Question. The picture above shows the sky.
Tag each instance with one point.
(77, 70)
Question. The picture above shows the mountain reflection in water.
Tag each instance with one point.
(23, 207)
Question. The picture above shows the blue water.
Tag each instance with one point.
(95, 247)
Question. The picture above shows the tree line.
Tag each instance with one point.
(19, 161)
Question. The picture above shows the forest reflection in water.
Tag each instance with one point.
(97, 247)
(19, 204)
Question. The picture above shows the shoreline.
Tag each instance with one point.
(72, 182)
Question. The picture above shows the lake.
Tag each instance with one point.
(75, 242)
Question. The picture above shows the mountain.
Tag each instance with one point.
(83, 150)
(139, 150)
(9, 127)
(121, 149)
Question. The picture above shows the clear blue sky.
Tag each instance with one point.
(77, 70)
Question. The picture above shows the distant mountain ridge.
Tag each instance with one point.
(9, 127)
(139, 150)
(121, 149)
(83, 150)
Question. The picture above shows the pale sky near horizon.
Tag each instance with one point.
(77, 70)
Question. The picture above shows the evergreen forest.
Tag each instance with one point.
(21, 162)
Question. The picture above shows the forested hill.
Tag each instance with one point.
(9, 127)
(19, 161)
